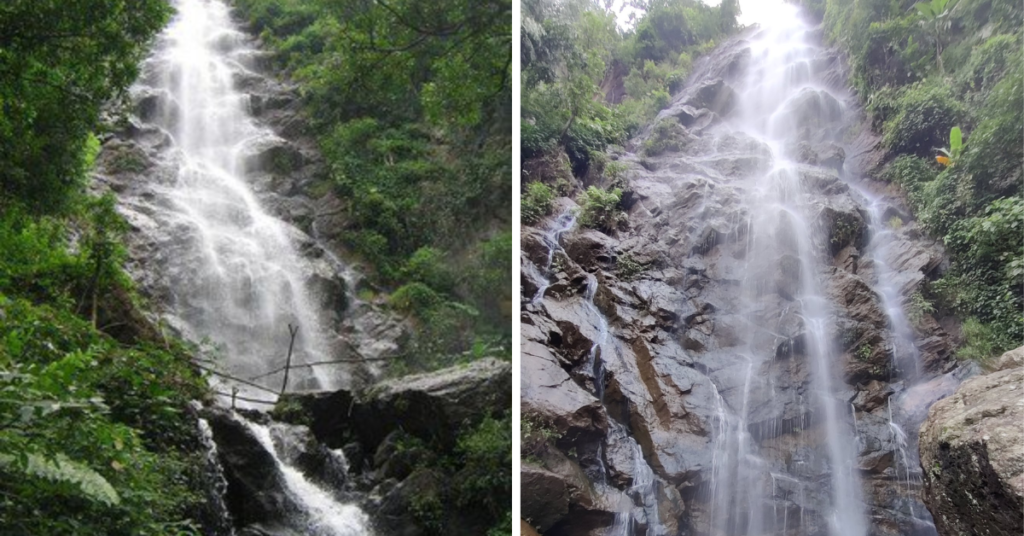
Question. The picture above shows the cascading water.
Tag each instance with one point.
(234, 274)
(561, 225)
(779, 104)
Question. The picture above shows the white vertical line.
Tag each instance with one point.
(516, 229)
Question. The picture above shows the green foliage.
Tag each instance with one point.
(995, 157)
(95, 438)
(485, 458)
(918, 308)
(61, 62)
(924, 114)
(535, 437)
(427, 266)
(411, 102)
(987, 63)
(668, 136)
(628, 268)
(981, 341)
(569, 47)
(536, 203)
(599, 208)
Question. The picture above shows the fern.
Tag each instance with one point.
(60, 468)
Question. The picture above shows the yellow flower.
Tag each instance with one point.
(944, 160)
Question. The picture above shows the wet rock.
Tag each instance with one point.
(551, 396)
(396, 512)
(973, 457)
(787, 276)
(842, 224)
(432, 407)
(399, 454)
(272, 154)
(873, 395)
(256, 491)
(590, 249)
(436, 405)
(714, 95)
(810, 114)
(827, 155)
(545, 496)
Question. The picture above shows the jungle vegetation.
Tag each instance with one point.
(94, 432)
(589, 83)
(411, 103)
(943, 82)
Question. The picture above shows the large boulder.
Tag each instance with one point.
(972, 456)
(433, 407)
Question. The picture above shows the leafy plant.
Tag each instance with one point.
(936, 15)
(956, 145)
(628, 268)
(599, 208)
(536, 203)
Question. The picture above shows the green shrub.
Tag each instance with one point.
(987, 64)
(980, 341)
(599, 208)
(668, 135)
(628, 268)
(427, 265)
(994, 155)
(536, 203)
(924, 115)
(485, 479)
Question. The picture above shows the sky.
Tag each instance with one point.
(752, 11)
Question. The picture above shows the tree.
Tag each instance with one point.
(59, 62)
(935, 14)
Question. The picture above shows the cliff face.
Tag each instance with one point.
(672, 366)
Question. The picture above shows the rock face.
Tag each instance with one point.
(972, 454)
(641, 344)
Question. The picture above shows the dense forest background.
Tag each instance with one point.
(411, 103)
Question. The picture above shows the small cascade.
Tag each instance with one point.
(552, 239)
(643, 492)
(906, 356)
(320, 512)
(642, 496)
(595, 358)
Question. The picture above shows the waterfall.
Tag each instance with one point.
(780, 103)
(237, 279)
(232, 273)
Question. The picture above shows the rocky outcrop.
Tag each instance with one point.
(972, 454)
(433, 407)
(386, 448)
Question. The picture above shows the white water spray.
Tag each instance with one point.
(236, 277)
